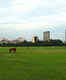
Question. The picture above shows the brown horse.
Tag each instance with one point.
(12, 50)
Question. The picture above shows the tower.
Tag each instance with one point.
(46, 35)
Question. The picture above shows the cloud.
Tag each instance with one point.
(25, 5)
(5, 3)
(38, 11)
(23, 15)
(3, 12)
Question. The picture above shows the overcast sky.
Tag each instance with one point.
(25, 18)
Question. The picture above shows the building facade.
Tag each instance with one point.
(35, 39)
(20, 39)
(46, 35)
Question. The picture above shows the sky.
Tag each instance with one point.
(27, 18)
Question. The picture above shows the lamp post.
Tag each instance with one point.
(65, 35)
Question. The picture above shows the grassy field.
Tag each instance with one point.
(33, 63)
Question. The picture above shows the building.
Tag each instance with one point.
(35, 39)
(20, 39)
(46, 35)
(4, 40)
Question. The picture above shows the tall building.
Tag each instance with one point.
(46, 35)
(35, 39)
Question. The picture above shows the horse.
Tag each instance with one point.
(12, 50)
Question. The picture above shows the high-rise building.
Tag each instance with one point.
(35, 39)
(46, 35)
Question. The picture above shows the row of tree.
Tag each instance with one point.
(39, 43)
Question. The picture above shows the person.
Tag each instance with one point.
(12, 50)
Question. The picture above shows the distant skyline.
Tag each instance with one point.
(25, 18)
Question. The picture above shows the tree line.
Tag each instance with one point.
(38, 43)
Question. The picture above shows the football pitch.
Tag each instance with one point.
(33, 63)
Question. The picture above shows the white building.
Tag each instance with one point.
(35, 39)
(20, 39)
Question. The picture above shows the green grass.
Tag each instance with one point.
(33, 63)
